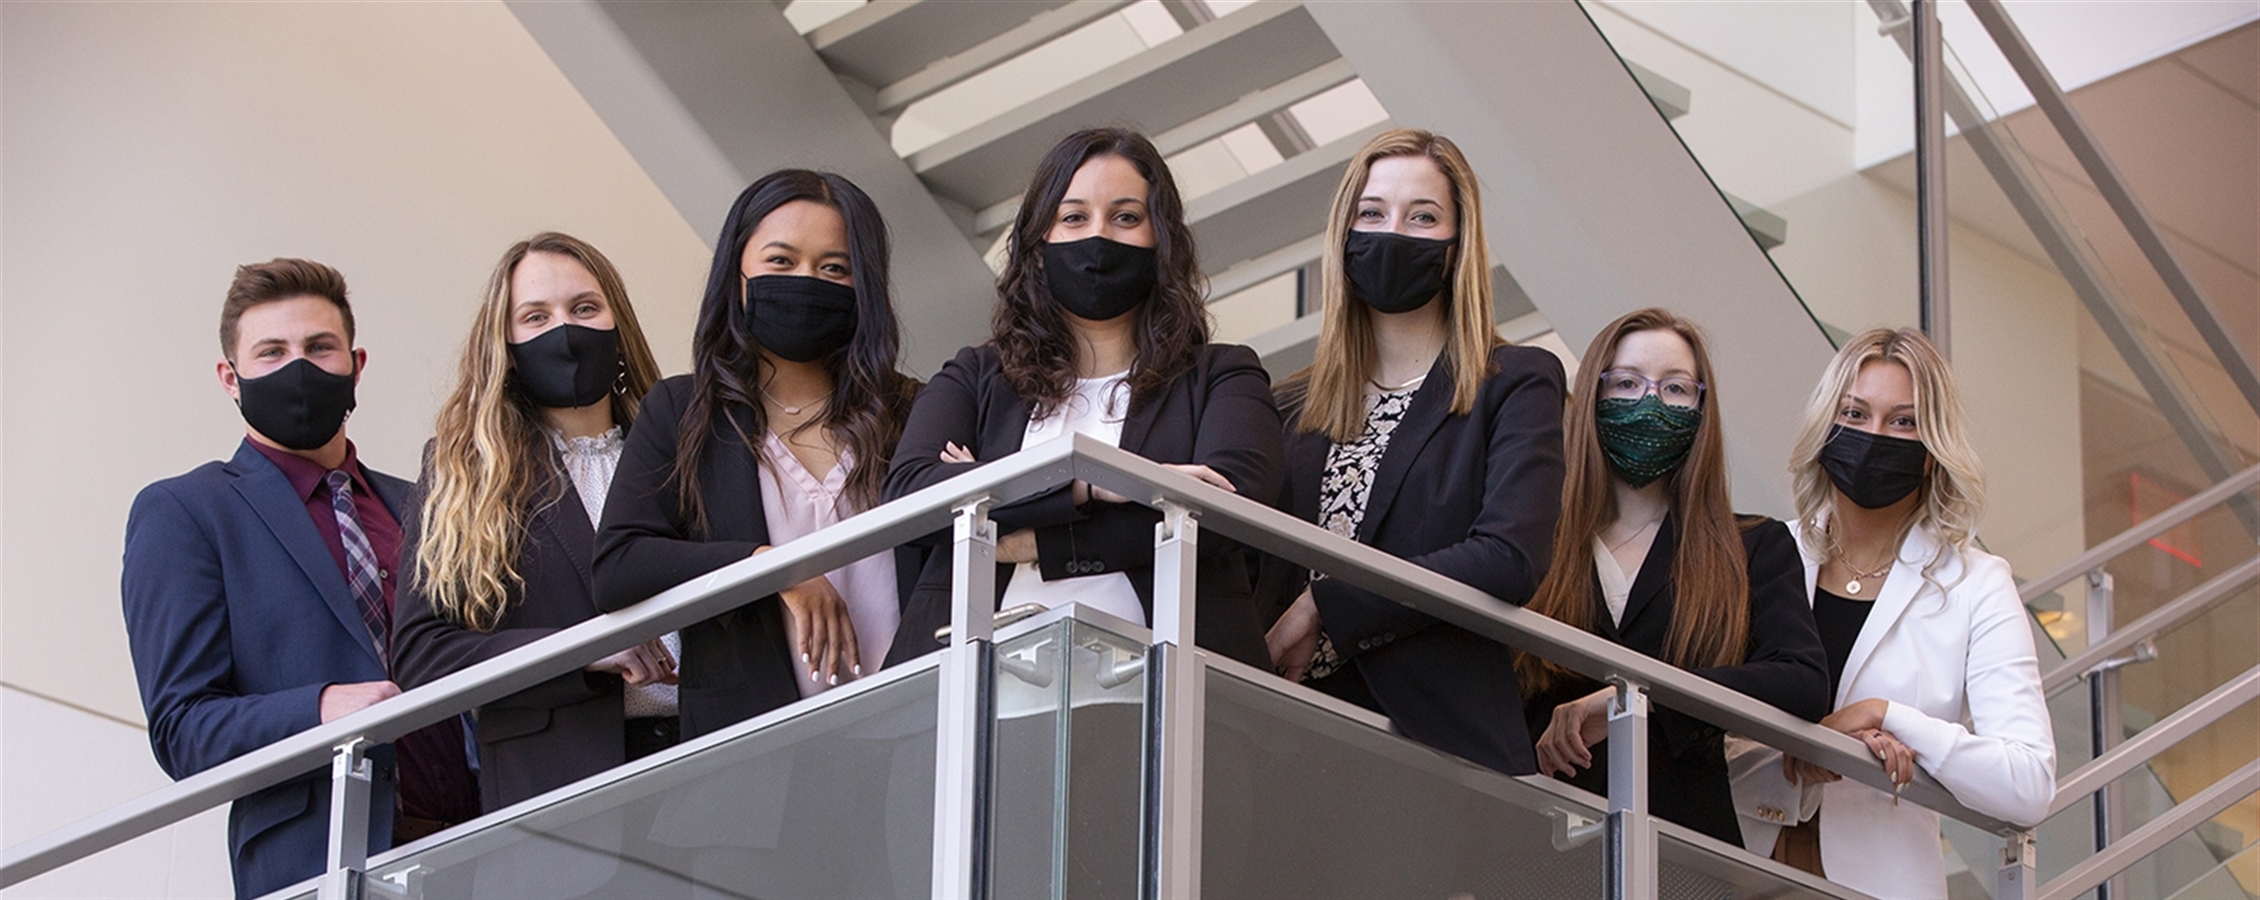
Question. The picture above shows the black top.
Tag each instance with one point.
(1785, 666)
(1219, 415)
(1840, 620)
(556, 732)
(1470, 496)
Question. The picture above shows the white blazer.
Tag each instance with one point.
(1958, 668)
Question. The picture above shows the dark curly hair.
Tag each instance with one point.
(1032, 335)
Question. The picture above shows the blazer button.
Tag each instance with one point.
(1388, 636)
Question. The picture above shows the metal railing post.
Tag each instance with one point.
(349, 821)
(2019, 875)
(1177, 715)
(960, 865)
(1630, 861)
(2104, 728)
(1930, 177)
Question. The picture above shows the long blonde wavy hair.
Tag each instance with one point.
(1953, 493)
(490, 465)
(1333, 387)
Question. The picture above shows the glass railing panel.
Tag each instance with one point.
(1801, 130)
(1302, 798)
(1691, 866)
(835, 801)
(2235, 878)
(1068, 763)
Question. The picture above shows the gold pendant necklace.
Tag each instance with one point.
(1852, 586)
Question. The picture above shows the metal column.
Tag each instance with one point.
(1629, 867)
(961, 760)
(349, 822)
(2105, 730)
(1930, 177)
(1176, 716)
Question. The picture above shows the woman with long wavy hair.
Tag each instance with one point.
(1099, 329)
(1418, 431)
(783, 427)
(1649, 553)
(522, 455)
(1930, 660)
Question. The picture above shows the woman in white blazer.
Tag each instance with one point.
(1930, 657)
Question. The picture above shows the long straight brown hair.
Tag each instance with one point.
(1710, 621)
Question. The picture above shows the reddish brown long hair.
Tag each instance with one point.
(1710, 622)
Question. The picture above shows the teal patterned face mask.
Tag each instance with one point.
(1644, 439)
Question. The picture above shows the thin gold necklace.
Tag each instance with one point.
(784, 407)
(1852, 586)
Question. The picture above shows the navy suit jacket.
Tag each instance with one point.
(237, 617)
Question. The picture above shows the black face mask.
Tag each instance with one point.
(797, 317)
(1099, 279)
(1395, 273)
(1873, 470)
(300, 406)
(569, 366)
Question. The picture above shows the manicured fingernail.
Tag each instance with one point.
(859, 670)
(835, 679)
(804, 658)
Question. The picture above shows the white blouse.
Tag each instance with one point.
(1097, 408)
(590, 462)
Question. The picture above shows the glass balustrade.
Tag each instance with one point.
(1068, 765)
(833, 801)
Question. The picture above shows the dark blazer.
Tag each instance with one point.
(1786, 667)
(237, 617)
(1218, 414)
(549, 735)
(736, 665)
(1473, 497)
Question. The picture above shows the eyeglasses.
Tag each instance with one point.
(1625, 384)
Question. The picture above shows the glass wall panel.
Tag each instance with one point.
(1068, 763)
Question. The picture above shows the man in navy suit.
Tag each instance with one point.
(258, 591)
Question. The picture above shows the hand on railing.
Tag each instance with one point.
(1567, 745)
(1864, 722)
(341, 700)
(642, 664)
(1293, 640)
(817, 623)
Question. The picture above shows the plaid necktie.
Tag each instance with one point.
(360, 562)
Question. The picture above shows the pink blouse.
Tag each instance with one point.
(797, 505)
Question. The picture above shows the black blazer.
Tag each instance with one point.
(1473, 497)
(1785, 667)
(736, 665)
(1219, 414)
(547, 736)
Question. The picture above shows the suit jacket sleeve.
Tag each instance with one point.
(1507, 549)
(1786, 666)
(427, 647)
(948, 411)
(644, 546)
(176, 611)
(2004, 762)
(1237, 435)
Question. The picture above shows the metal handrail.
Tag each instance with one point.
(2140, 534)
(2150, 838)
(1029, 472)
(2154, 623)
(2141, 748)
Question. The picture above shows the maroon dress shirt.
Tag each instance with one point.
(434, 765)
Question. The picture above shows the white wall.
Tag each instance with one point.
(147, 149)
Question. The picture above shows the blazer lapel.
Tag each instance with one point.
(1430, 405)
(270, 495)
(567, 521)
(1899, 591)
(1137, 422)
(1654, 575)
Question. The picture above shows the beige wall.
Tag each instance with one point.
(148, 149)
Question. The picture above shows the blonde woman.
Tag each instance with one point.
(1929, 655)
(1417, 431)
(513, 482)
